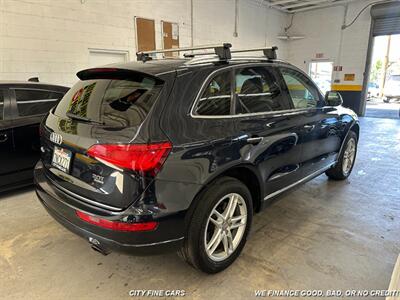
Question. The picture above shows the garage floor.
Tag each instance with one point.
(376, 108)
(324, 235)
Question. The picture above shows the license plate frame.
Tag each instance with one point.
(61, 159)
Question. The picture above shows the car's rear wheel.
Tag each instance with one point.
(218, 226)
(346, 160)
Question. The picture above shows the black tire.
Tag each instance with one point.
(337, 172)
(193, 250)
(386, 100)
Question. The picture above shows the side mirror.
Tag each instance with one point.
(333, 98)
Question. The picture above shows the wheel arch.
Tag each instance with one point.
(249, 176)
(245, 173)
(356, 128)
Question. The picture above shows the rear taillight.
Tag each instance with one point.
(138, 157)
(116, 225)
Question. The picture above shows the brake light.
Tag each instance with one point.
(116, 225)
(138, 157)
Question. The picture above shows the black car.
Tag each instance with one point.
(169, 154)
(22, 107)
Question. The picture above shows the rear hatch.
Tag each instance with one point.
(97, 144)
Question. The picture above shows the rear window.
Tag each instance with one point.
(111, 102)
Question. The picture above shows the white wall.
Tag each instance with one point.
(323, 34)
(51, 38)
(258, 24)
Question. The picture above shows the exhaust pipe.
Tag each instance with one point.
(95, 244)
(100, 250)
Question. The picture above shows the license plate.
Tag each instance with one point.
(61, 159)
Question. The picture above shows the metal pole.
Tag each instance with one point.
(191, 23)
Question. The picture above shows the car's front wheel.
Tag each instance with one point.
(218, 226)
(346, 160)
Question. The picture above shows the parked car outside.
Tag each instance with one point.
(22, 107)
(373, 90)
(392, 88)
(178, 154)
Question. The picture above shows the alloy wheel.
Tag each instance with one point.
(348, 156)
(225, 227)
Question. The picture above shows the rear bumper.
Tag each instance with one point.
(168, 236)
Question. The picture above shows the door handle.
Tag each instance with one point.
(254, 140)
(3, 137)
(309, 127)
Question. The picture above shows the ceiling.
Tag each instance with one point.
(293, 6)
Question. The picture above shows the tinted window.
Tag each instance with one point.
(257, 91)
(216, 99)
(35, 102)
(1, 105)
(302, 92)
(112, 102)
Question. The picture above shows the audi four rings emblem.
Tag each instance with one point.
(56, 138)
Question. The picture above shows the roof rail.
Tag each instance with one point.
(222, 50)
(269, 52)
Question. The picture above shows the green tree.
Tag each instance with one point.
(376, 70)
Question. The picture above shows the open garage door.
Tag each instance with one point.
(383, 62)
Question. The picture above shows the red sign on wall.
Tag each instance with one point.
(338, 68)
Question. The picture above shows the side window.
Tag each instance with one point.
(1, 104)
(216, 99)
(302, 92)
(257, 91)
(35, 102)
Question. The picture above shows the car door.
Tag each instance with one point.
(29, 107)
(267, 137)
(319, 136)
(6, 140)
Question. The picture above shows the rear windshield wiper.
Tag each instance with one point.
(83, 119)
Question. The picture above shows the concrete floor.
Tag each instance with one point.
(376, 108)
(324, 235)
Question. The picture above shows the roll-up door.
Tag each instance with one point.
(386, 18)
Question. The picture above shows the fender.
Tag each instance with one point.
(234, 165)
(355, 122)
